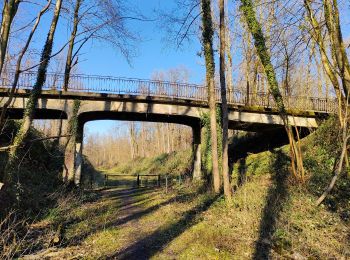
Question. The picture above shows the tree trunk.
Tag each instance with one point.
(207, 39)
(34, 95)
(229, 63)
(8, 13)
(73, 35)
(225, 168)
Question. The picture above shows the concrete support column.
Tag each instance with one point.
(69, 160)
(78, 154)
(196, 153)
(73, 158)
(78, 162)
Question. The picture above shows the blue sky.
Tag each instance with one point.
(153, 53)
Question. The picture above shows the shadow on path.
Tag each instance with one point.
(129, 211)
(276, 198)
(159, 239)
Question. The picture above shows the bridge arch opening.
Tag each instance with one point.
(110, 145)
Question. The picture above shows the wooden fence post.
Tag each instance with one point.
(105, 180)
(158, 180)
(138, 180)
(166, 183)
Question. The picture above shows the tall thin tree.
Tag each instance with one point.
(207, 41)
(9, 11)
(224, 111)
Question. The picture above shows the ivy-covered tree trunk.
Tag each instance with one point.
(225, 168)
(207, 41)
(34, 95)
(262, 51)
(8, 13)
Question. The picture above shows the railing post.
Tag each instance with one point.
(158, 180)
(138, 180)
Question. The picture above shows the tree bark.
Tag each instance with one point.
(225, 168)
(207, 41)
(8, 13)
(73, 35)
(229, 62)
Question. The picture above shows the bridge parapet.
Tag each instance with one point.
(174, 90)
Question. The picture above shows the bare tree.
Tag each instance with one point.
(207, 42)
(9, 11)
(224, 110)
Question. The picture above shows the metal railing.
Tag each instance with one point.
(173, 90)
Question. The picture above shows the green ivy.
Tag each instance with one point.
(206, 142)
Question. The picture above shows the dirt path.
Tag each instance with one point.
(112, 224)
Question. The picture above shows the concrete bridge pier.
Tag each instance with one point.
(78, 164)
(73, 158)
(196, 153)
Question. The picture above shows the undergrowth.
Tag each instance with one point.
(175, 163)
(38, 174)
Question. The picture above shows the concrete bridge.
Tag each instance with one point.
(155, 101)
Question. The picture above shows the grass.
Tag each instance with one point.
(175, 163)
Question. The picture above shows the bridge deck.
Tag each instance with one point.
(175, 90)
